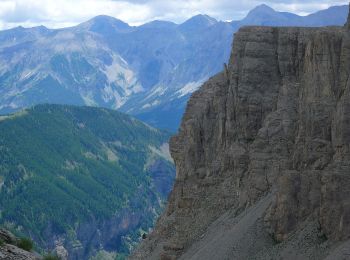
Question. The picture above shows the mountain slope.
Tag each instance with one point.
(83, 178)
(148, 71)
(262, 155)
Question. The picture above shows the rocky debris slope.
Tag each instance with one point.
(9, 251)
(263, 154)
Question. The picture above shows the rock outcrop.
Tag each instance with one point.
(263, 154)
(9, 250)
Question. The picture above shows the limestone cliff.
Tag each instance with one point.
(263, 154)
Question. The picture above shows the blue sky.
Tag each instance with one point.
(62, 13)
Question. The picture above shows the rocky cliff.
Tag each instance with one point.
(263, 155)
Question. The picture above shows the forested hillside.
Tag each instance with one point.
(83, 178)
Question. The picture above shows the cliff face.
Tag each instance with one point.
(263, 155)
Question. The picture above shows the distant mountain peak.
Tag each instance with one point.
(262, 8)
(204, 17)
(105, 24)
(266, 16)
(106, 18)
(199, 21)
(158, 24)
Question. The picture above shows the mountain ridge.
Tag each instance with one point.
(148, 71)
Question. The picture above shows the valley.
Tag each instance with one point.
(204, 139)
(83, 179)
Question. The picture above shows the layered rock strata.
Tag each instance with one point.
(263, 154)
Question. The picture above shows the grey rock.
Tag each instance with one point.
(9, 250)
(272, 128)
(7, 236)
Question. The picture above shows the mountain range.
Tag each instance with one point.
(148, 71)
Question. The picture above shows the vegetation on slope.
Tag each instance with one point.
(61, 166)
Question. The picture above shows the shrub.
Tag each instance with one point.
(2, 242)
(25, 244)
(51, 257)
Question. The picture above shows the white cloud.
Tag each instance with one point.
(63, 13)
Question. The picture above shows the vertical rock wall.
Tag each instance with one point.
(276, 121)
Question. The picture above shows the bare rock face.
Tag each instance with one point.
(9, 251)
(273, 129)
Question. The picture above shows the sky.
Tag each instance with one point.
(64, 13)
